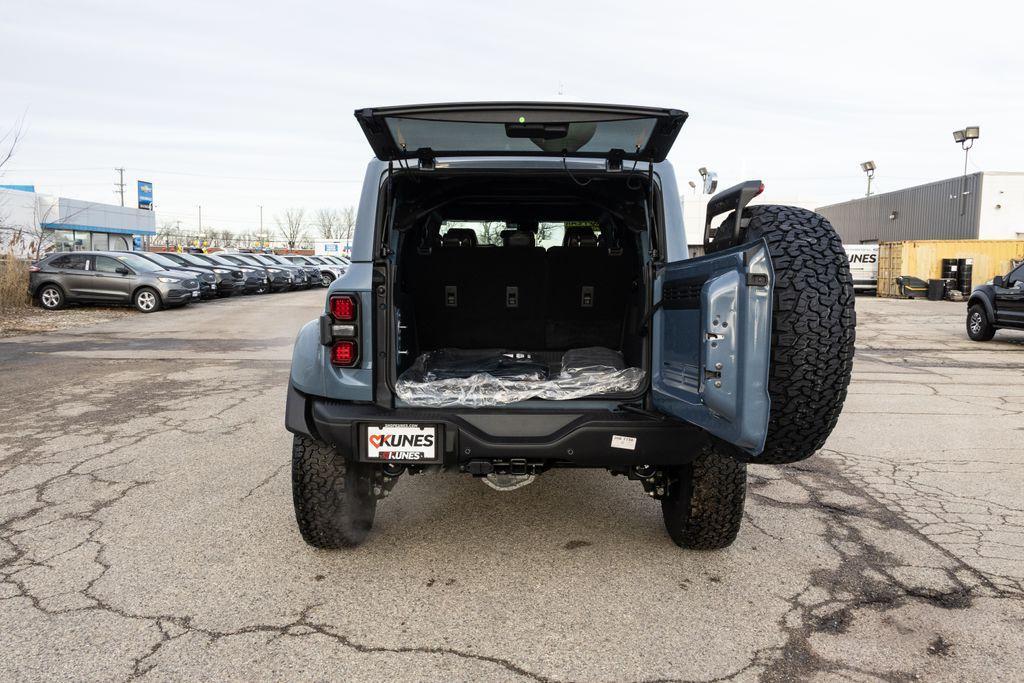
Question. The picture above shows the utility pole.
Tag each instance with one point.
(261, 218)
(120, 185)
(199, 233)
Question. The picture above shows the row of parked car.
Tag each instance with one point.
(150, 281)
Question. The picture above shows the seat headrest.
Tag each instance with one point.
(579, 236)
(517, 238)
(459, 237)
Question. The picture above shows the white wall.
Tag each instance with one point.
(19, 220)
(1002, 206)
(79, 212)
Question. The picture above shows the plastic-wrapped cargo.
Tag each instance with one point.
(478, 379)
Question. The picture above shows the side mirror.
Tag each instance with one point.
(121, 270)
(998, 281)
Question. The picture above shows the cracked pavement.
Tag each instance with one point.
(146, 530)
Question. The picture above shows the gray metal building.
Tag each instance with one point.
(948, 209)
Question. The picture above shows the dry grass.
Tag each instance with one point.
(13, 283)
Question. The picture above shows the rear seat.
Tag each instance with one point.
(588, 292)
(518, 295)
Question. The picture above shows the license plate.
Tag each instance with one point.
(400, 443)
(195, 294)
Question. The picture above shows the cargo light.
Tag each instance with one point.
(343, 307)
(344, 353)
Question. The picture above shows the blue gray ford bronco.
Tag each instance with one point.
(520, 298)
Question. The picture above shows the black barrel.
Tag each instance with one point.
(936, 289)
(965, 274)
(949, 268)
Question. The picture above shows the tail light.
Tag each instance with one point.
(345, 353)
(343, 307)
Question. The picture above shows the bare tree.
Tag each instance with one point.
(327, 223)
(244, 239)
(169, 233)
(262, 235)
(346, 223)
(491, 232)
(207, 237)
(226, 238)
(8, 144)
(291, 226)
(9, 141)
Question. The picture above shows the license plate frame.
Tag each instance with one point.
(402, 446)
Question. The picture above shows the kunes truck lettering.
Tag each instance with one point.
(863, 258)
(402, 440)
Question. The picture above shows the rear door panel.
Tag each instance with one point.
(712, 343)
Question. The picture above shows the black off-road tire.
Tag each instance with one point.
(813, 329)
(978, 326)
(704, 506)
(333, 497)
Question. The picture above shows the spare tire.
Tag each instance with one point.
(813, 329)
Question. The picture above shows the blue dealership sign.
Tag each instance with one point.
(145, 195)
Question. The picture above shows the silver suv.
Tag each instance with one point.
(109, 278)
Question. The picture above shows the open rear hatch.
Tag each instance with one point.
(428, 131)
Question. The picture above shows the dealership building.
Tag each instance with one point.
(34, 224)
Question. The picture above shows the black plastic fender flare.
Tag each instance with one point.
(985, 303)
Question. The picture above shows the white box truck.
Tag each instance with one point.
(863, 266)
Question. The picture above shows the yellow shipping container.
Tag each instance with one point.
(923, 259)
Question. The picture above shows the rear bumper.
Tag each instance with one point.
(563, 438)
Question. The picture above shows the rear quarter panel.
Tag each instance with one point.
(311, 370)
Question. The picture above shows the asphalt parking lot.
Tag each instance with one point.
(146, 529)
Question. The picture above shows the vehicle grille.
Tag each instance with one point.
(208, 277)
(237, 274)
(190, 284)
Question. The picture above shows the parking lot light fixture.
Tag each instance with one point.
(869, 169)
(965, 137)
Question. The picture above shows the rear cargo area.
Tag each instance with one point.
(538, 286)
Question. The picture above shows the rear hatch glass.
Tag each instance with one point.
(521, 129)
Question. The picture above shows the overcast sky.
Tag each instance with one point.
(235, 105)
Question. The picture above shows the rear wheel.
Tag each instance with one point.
(326, 278)
(813, 329)
(51, 297)
(334, 498)
(146, 300)
(978, 326)
(703, 508)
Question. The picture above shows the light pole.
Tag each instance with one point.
(869, 169)
(966, 137)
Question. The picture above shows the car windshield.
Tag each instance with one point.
(137, 263)
(220, 260)
(194, 260)
(247, 259)
(298, 259)
(162, 260)
(274, 258)
(266, 260)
